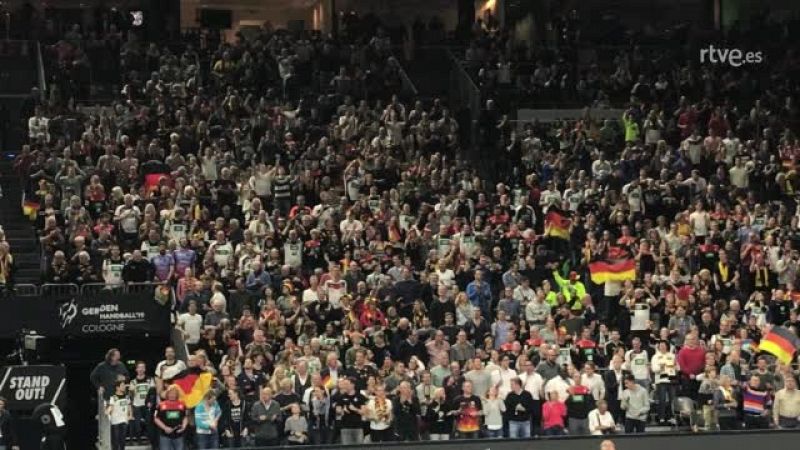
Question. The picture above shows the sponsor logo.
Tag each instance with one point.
(67, 312)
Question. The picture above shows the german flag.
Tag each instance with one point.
(193, 384)
(30, 209)
(602, 271)
(327, 381)
(615, 252)
(780, 342)
(556, 225)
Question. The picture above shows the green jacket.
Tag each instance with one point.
(573, 292)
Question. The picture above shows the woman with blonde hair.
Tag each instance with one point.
(439, 416)
(493, 410)
(278, 375)
(464, 309)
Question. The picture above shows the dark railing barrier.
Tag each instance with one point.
(776, 439)
(464, 95)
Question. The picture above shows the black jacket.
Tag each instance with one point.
(526, 405)
(612, 386)
(105, 375)
(9, 434)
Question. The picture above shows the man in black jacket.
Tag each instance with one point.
(8, 434)
(108, 372)
(613, 380)
(519, 410)
(137, 269)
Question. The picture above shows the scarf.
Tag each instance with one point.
(723, 271)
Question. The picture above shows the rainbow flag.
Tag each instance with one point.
(556, 225)
(602, 271)
(781, 343)
(193, 383)
(30, 209)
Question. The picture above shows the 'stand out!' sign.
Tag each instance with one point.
(26, 387)
(30, 388)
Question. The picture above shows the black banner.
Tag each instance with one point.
(26, 387)
(114, 314)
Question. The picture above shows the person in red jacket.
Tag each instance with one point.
(553, 414)
(691, 360)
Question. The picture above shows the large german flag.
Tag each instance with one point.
(780, 342)
(193, 384)
(602, 271)
(556, 225)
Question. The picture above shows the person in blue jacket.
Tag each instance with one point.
(206, 419)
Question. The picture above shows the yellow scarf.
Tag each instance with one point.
(727, 393)
(761, 276)
(723, 271)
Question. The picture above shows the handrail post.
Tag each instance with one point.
(41, 74)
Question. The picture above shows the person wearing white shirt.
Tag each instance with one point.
(638, 363)
(380, 416)
(524, 293)
(533, 382)
(550, 197)
(311, 294)
(593, 381)
(120, 412)
(168, 368)
(665, 370)
(740, 174)
(731, 145)
(601, 421)
(559, 384)
(633, 194)
(38, 125)
(503, 376)
(350, 227)
(191, 324)
(700, 221)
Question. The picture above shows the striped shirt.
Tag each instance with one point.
(281, 187)
(754, 401)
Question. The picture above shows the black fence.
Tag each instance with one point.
(776, 439)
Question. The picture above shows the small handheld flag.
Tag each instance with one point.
(556, 225)
(30, 209)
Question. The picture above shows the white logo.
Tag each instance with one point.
(733, 56)
(137, 17)
(67, 312)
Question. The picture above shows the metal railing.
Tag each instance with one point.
(40, 72)
(464, 93)
(85, 289)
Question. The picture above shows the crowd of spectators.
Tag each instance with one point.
(345, 274)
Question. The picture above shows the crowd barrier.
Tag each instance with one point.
(775, 439)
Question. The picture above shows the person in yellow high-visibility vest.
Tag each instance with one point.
(572, 289)
(550, 296)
